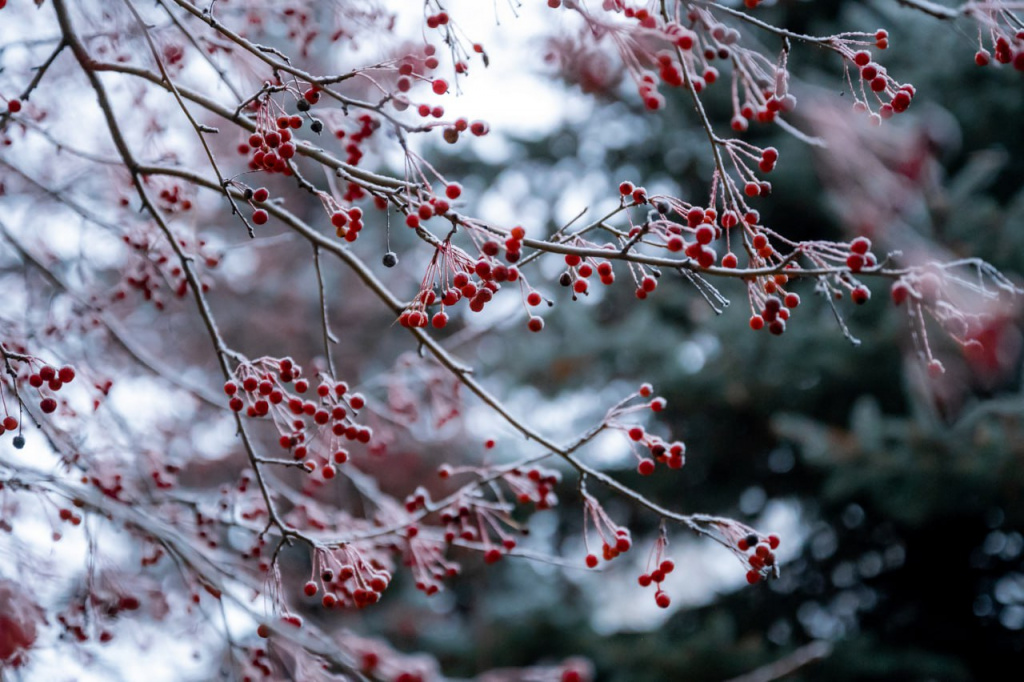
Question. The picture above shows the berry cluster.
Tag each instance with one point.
(759, 554)
(476, 128)
(347, 577)
(173, 196)
(673, 455)
(876, 93)
(755, 551)
(662, 567)
(615, 539)
(773, 314)
(272, 387)
(425, 557)
(46, 379)
(536, 485)
(700, 228)
(347, 221)
(453, 275)
(1005, 35)
(271, 146)
(258, 663)
(366, 126)
(977, 333)
(425, 210)
(656, 577)
(484, 523)
(579, 271)
(153, 266)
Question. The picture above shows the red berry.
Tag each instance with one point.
(14, 105)
(310, 588)
(48, 405)
(860, 245)
(899, 292)
(260, 217)
(860, 295)
(591, 561)
(535, 324)
(662, 600)
(753, 577)
(646, 467)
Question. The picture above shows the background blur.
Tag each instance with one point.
(903, 494)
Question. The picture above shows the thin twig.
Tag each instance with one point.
(329, 338)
